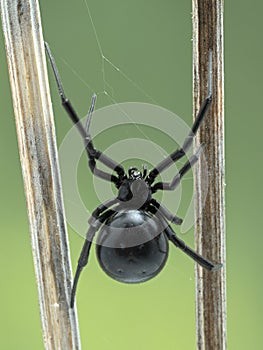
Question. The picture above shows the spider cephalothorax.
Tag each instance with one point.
(134, 191)
(134, 229)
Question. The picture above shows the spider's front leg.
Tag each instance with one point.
(170, 186)
(92, 153)
(180, 152)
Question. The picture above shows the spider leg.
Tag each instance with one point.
(83, 260)
(165, 212)
(166, 186)
(95, 221)
(92, 153)
(91, 110)
(180, 152)
(171, 235)
(101, 208)
(207, 264)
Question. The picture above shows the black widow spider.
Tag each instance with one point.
(132, 245)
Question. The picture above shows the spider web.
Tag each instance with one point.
(108, 91)
(105, 60)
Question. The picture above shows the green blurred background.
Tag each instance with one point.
(151, 42)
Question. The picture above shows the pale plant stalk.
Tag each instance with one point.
(39, 161)
(210, 223)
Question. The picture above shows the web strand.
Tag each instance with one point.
(106, 84)
(105, 59)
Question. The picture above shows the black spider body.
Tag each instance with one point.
(134, 229)
(131, 246)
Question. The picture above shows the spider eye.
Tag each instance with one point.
(134, 173)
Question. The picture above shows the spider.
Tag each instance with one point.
(132, 244)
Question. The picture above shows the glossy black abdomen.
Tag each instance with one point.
(131, 246)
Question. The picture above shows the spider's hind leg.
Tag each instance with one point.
(82, 262)
(99, 216)
(207, 264)
(166, 213)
